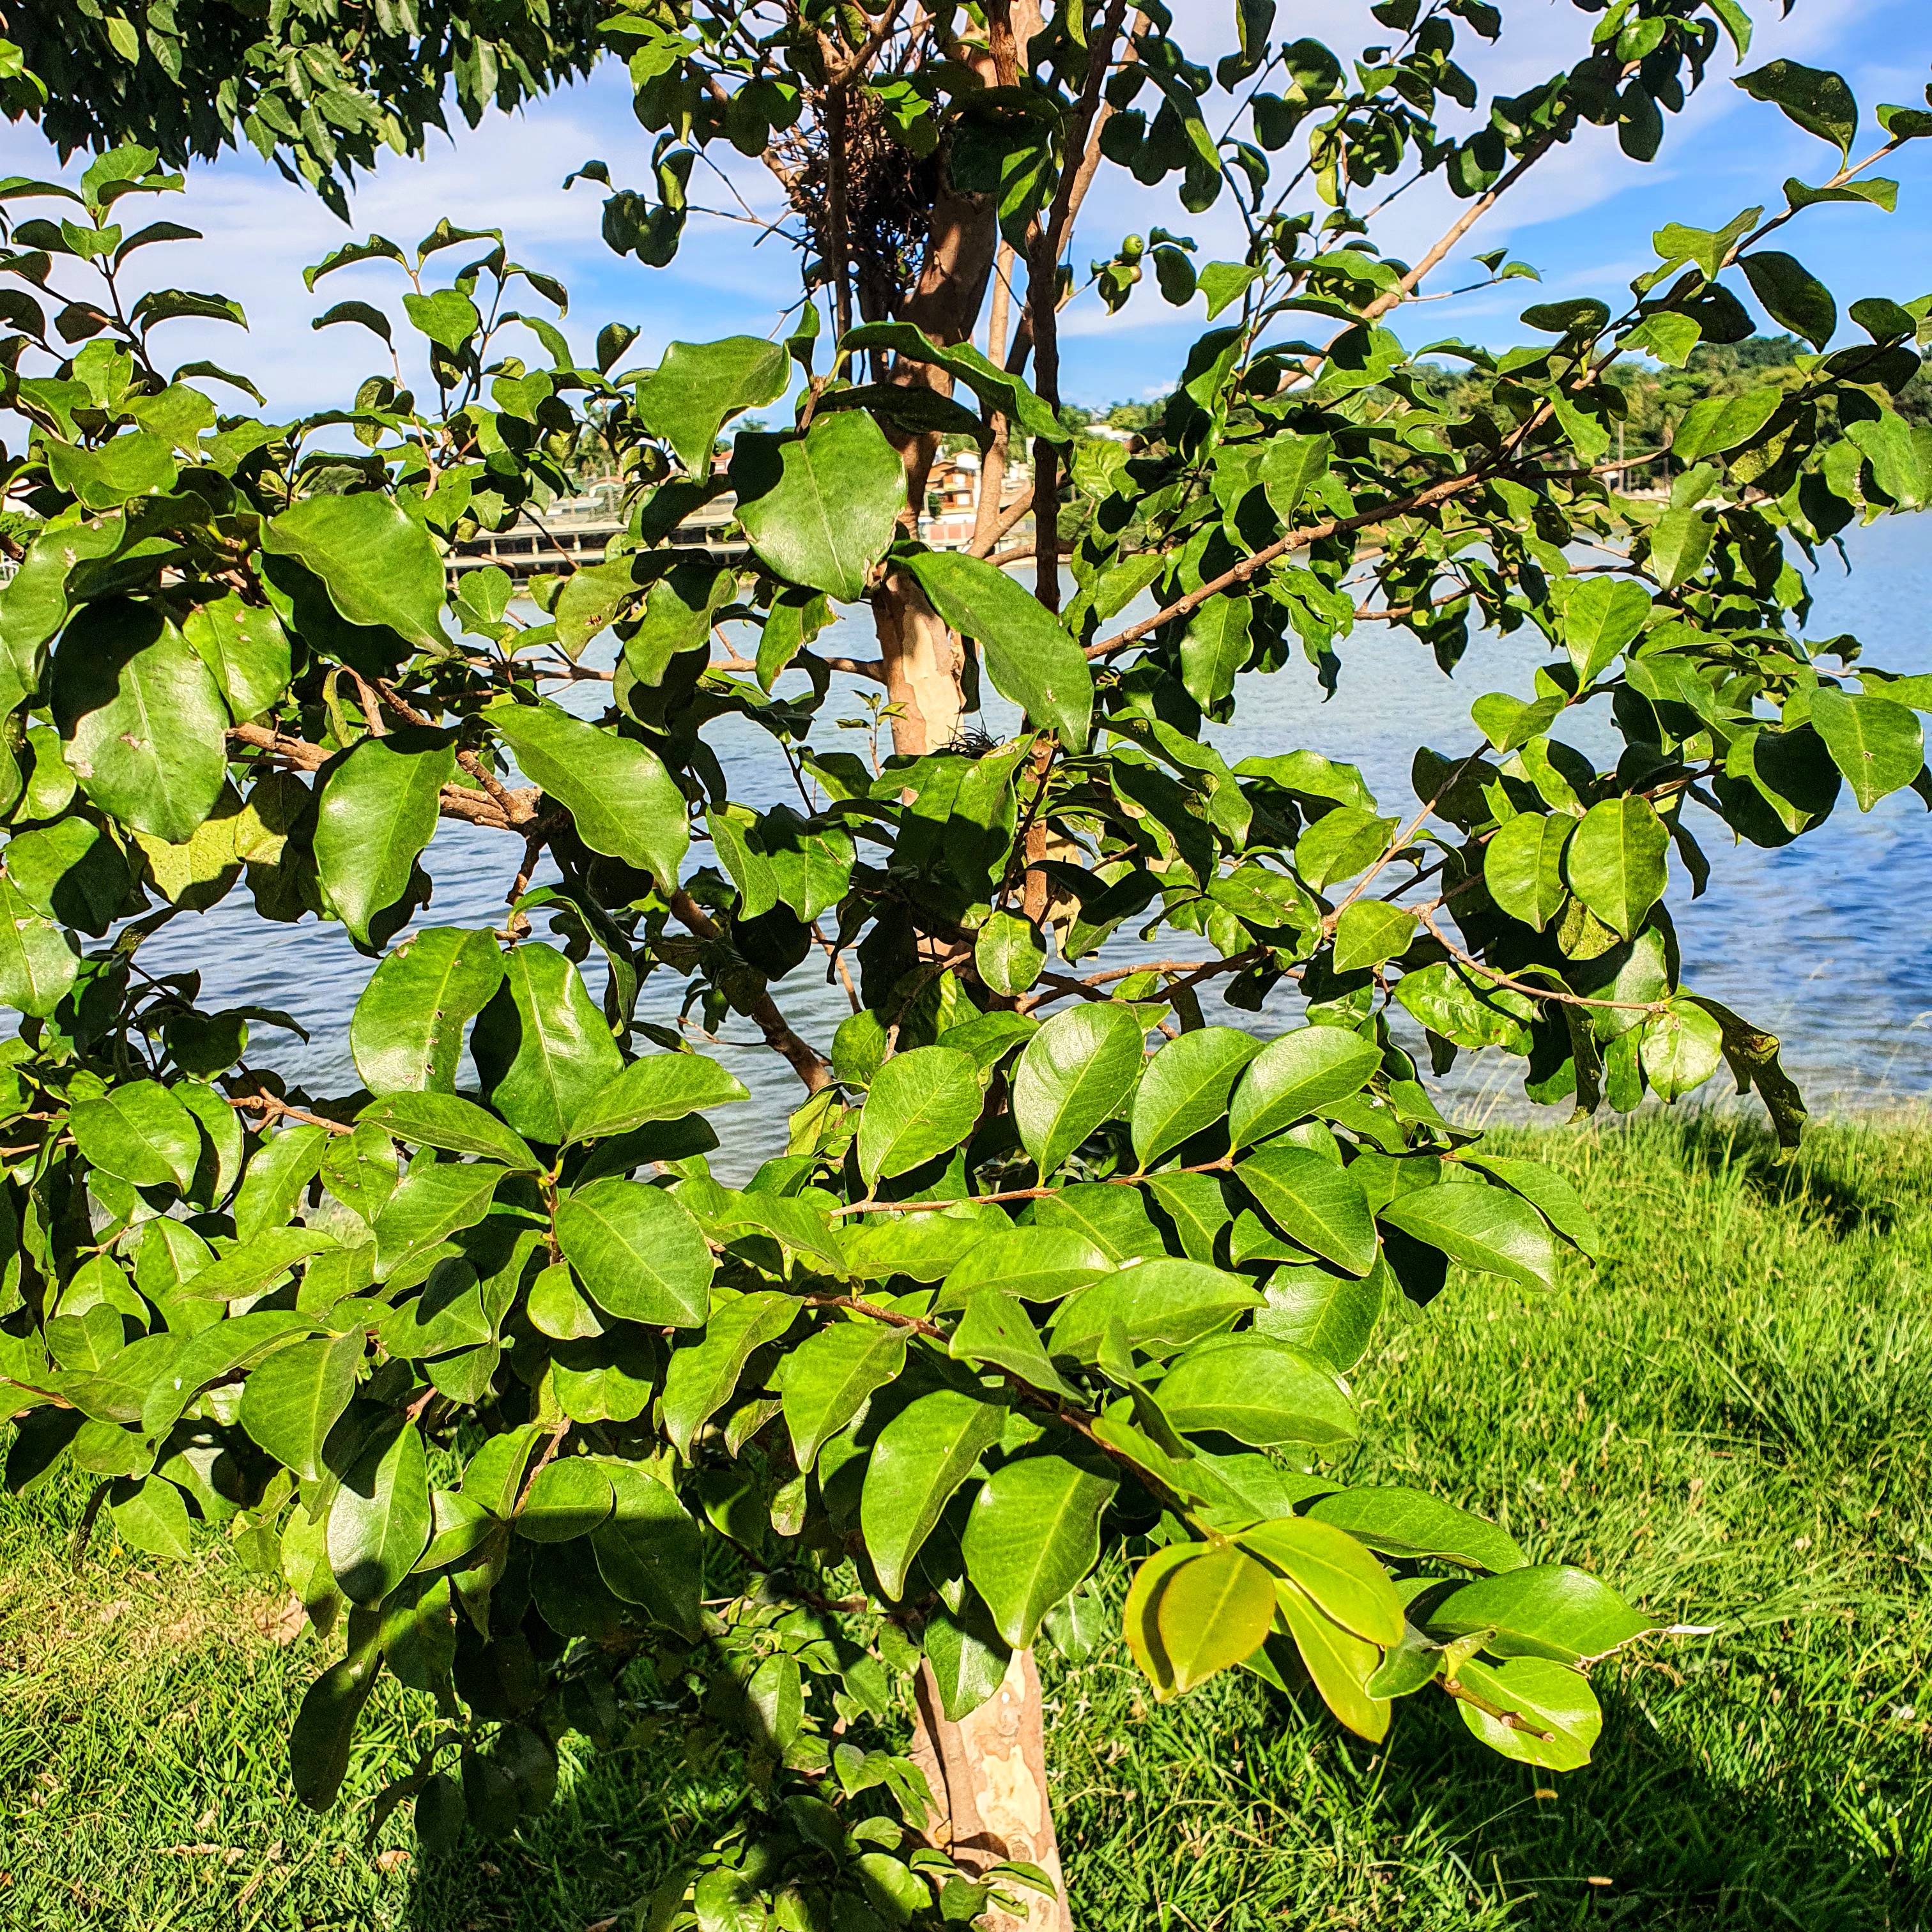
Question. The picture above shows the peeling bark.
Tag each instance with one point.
(924, 661)
(987, 1772)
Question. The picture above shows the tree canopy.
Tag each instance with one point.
(573, 1422)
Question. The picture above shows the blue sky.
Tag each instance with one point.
(1584, 218)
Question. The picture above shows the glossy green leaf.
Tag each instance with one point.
(659, 1086)
(1557, 1718)
(922, 1457)
(279, 1166)
(969, 1661)
(567, 1498)
(1342, 1580)
(1876, 743)
(1077, 1072)
(1259, 1390)
(919, 1105)
(1035, 1263)
(1185, 1087)
(72, 872)
(213, 1353)
(829, 514)
(1339, 1663)
(1032, 1535)
(325, 1727)
(1331, 1315)
(1597, 619)
(1313, 1201)
(542, 1048)
(142, 721)
(1792, 296)
(152, 1517)
(1009, 953)
(378, 566)
(1523, 866)
(996, 1331)
(623, 802)
(1370, 932)
(455, 1125)
(1488, 1230)
(1030, 657)
(376, 813)
(1545, 1188)
(433, 1203)
(639, 1255)
(1412, 1523)
(1681, 1048)
(291, 1400)
(1161, 1306)
(699, 386)
(704, 1374)
(38, 965)
(1615, 862)
(1294, 1074)
(1816, 99)
(650, 1552)
(141, 1132)
(830, 1375)
(407, 1032)
(380, 1520)
(245, 647)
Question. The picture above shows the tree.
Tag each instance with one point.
(566, 1430)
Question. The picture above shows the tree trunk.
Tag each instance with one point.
(987, 1773)
(923, 660)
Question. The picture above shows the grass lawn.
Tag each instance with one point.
(1731, 1418)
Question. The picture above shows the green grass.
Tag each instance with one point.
(1732, 1418)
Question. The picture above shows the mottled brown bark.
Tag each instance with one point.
(988, 1772)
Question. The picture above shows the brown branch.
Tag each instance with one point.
(806, 1062)
(260, 1101)
(456, 801)
(1529, 987)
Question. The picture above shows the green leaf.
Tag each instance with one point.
(1680, 541)
(1077, 1072)
(1031, 1537)
(325, 1727)
(291, 1401)
(920, 1104)
(38, 965)
(830, 1376)
(142, 720)
(827, 511)
(1006, 394)
(699, 386)
(542, 1047)
(625, 805)
(1545, 1189)
(1331, 1315)
(639, 1255)
(433, 1203)
(1486, 1229)
(1313, 1201)
(1875, 743)
(1615, 862)
(1161, 1305)
(922, 1457)
(1792, 296)
(378, 566)
(379, 1523)
(1547, 1610)
(281, 1165)
(1030, 657)
(1370, 932)
(660, 1087)
(968, 1659)
(650, 1552)
(997, 1329)
(407, 1032)
(1296, 1073)
(375, 811)
(1680, 1048)
(1559, 1719)
(1185, 1087)
(1599, 617)
(1009, 953)
(72, 872)
(1038, 1263)
(1214, 648)
(456, 1126)
(567, 1498)
(1523, 866)
(1818, 101)
(256, 1264)
(1339, 1663)
(703, 1376)
(1412, 1523)
(213, 1353)
(153, 1517)
(1258, 1390)
(138, 463)
(139, 1130)
(1345, 1581)
(445, 315)
(1212, 1612)
(245, 647)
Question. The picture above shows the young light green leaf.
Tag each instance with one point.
(1032, 1536)
(1343, 1580)
(1036, 1264)
(1558, 1719)
(1615, 862)
(1009, 953)
(1339, 1663)
(824, 512)
(1413, 1523)
(1370, 932)
(38, 965)
(432, 1203)
(1548, 1610)
(1523, 866)
(1211, 1613)
(1258, 1390)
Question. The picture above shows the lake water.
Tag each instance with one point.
(1823, 941)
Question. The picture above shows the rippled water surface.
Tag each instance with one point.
(1824, 941)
